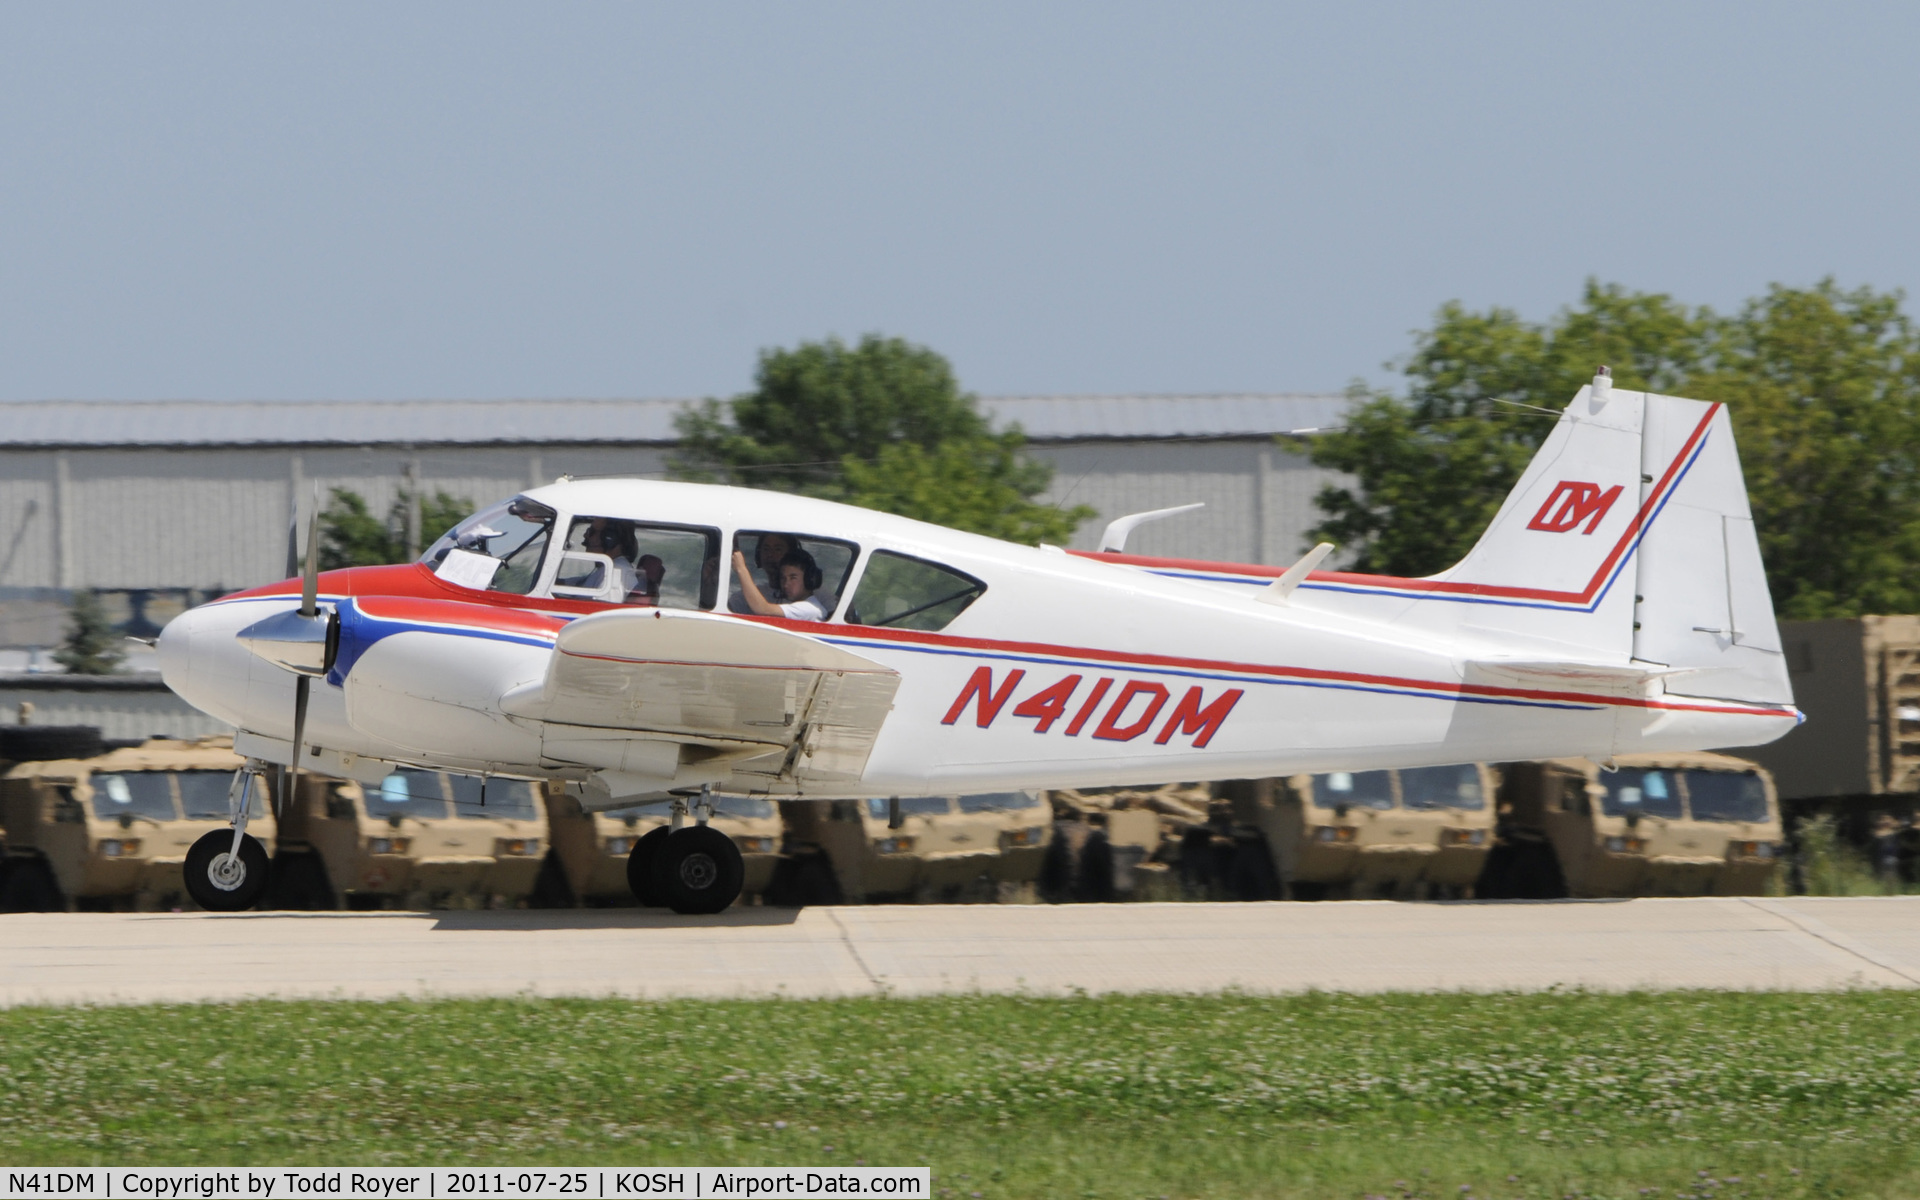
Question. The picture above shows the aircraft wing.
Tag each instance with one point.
(735, 688)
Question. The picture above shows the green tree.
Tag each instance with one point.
(1432, 466)
(1823, 385)
(882, 424)
(1824, 388)
(352, 536)
(92, 645)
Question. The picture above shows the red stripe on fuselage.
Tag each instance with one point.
(1442, 586)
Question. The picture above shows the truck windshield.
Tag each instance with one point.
(912, 806)
(409, 793)
(506, 799)
(1353, 789)
(203, 795)
(1442, 787)
(1726, 796)
(134, 794)
(998, 802)
(1642, 790)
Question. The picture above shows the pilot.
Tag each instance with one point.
(768, 554)
(800, 580)
(616, 540)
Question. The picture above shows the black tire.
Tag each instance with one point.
(1096, 869)
(1056, 867)
(1252, 877)
(640, 866)
(216, 894)
(803, 881)
(41, 743)
(31, 887)
(550, 887)
(299, 883)
(698, 870)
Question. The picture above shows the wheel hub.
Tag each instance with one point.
(699, 871)
(226, 872)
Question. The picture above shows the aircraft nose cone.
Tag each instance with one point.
(287, 639)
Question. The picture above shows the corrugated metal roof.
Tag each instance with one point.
(549, 422)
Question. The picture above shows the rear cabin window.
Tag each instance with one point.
(616, 561)
(505, 799)
(134, 794)
(911, 593)
(998, 802)
(912, 806)
(1442, 787)
(1726, 796)
(766, 549)
(409, 793)
(1643, 790)
(203, 795)
(1354, 789)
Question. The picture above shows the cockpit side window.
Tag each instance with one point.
(617, 561)
(498, 549)
(911, 593)
(765, 550)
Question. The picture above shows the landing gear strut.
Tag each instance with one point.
(227, 872)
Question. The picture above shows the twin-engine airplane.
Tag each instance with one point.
(635, 637)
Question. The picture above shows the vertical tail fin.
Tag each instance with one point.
(1628, 540)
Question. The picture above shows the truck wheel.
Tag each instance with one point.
(31, 887)
(640, 867)
(550, 888)
(299, 883)
(1251, 877)
(218, 882)
(1096, 869)
(803, 881)
(698, 870)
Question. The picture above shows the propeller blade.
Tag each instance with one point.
(310, 585)
(301, 685)
(293, 545)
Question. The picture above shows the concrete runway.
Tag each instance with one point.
(1797, 944)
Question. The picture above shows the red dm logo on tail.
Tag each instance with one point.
(1572, 503)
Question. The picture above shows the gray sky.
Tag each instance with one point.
(385, 200)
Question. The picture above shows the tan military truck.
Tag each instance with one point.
(1656, 825)
(116, 829)
(424, 839)
(1118, 843)
(594, 853)
(928, 849)
(1412, 833)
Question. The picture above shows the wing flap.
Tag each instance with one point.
(694, 678)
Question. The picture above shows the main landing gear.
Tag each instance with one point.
(687, 868)
(226, 871)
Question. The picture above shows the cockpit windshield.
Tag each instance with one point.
(498, 549)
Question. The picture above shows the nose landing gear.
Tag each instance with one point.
(227, 872)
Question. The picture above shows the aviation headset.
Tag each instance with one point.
(809, 570)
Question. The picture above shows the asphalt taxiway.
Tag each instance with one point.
(1738, 943)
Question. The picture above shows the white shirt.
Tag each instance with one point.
(810, 609)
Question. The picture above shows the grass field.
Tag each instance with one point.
(1555, 1095)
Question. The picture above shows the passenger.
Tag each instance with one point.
(768, 554)
(616, 540)
(652, 571)
(800, 579)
